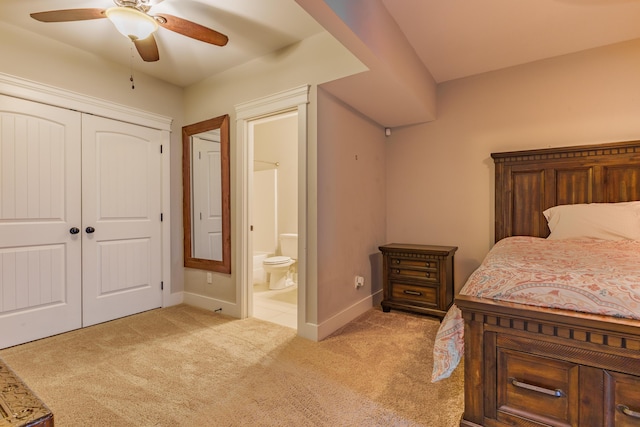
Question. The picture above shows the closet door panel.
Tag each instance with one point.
(40, 272)
(121, 187)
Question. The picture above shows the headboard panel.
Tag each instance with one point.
(528, 182)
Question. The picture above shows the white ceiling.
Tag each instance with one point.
(254, 27)
(453, 38)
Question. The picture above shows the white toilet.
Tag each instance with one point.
(279, 267)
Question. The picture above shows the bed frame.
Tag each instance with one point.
(532, 366)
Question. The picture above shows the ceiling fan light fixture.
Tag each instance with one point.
(132, 23)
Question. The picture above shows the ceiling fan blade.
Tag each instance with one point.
(148, 49)
(191, 29)
(68, 15)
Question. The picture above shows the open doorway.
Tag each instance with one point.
(248, 114)
(274, 218)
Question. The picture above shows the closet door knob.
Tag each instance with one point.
(90, 230)
(74, 230)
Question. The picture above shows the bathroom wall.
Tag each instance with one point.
(275, 141)
(265, 212)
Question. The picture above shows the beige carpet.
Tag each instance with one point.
(183, 366)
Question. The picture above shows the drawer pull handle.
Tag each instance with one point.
(427, 274)
(416, 293)
(625, 410)
(397, 261)
(556, 393)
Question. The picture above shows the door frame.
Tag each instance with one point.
(289, 100)
(39, 92)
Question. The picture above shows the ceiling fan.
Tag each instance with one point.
(131, 18)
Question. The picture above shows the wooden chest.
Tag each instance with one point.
(19, 407)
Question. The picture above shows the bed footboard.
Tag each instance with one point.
(533, 366)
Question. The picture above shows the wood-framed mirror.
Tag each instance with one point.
(206, 200)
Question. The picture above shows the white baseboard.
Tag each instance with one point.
(377, 298)
(309, 331)
(211, 304)
(334, 323)
(172, 299)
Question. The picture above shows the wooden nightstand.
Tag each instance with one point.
(417, 278)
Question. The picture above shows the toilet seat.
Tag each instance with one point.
(279, 268)
(276, 260)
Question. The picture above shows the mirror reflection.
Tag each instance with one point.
(206, 187)
(206, 195)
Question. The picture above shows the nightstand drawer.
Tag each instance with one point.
(421, 294)
(431, 264)
(415, 273)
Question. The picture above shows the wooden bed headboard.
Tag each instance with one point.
(528, 182)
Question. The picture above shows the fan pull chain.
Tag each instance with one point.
(133, 86)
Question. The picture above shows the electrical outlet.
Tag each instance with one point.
(209, 278)
(359, 282)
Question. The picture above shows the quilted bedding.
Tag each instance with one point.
(586, 275)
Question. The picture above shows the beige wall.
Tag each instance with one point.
(42, 60)
(313, 61)
(440, 174)
(351, 205)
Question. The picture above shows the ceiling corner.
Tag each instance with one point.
(398, 89)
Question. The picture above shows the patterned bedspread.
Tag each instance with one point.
(587, 275)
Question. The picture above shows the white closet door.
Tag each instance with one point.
(121, 187)
(40, 272)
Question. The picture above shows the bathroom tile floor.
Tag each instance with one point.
(276, 306)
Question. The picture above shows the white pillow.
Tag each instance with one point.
(609, 221)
